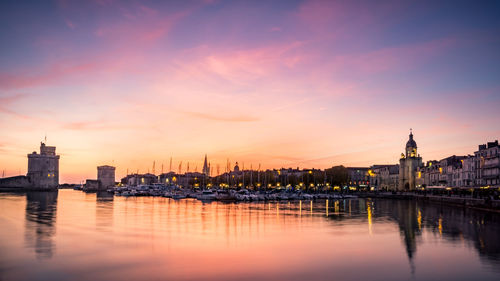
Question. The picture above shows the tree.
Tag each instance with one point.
(337, 175)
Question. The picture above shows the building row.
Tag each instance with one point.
(482, 169)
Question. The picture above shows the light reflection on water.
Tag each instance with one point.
(70, 235)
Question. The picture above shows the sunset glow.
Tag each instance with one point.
(277, 83)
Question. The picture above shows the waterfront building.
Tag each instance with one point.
(488, 164)
(428, 175)
(138, 179)
(43, 171)
(358, 176)
(408, 164)
(384, 177)
(43, 168)
(92, 185)
(106, 176)
(168, 178)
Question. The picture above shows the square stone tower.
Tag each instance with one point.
(106, 175)
(43, 168)
(408, 165)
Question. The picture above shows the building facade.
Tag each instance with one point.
(43, 168)
(384, 177)
(488, 164)
(106, 176)
(408, 164)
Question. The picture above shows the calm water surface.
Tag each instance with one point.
(71, 235)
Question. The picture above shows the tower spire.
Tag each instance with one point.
(206, 169)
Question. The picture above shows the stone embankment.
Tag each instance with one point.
(463, 201)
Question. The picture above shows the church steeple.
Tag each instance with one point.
(206, 168)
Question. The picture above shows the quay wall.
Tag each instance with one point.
(478, 203)
(17, 182)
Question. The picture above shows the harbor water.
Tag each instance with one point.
(72, 235)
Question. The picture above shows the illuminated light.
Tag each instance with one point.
(327, 207)
(419, 175)
(440, 226)
(371, 173)
(269, 185)
(278, 184)
(430, 164)
(369, 211)
(310, 172)
(142, 180)
(311, 207)
(336, 187)
(440, 170)
(300, 208)
(174, 179)
(448, 188)
(419, 220)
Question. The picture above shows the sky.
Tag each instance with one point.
(308, 84)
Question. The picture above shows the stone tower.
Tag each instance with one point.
(43, 168)
(106, 176)
(408, 165)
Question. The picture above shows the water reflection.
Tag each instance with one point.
(158, 238)
(40, 228)
(104, 211)
(456, 225)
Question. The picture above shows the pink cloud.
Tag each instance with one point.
(55, 72)
(7, 101)
(222, 117)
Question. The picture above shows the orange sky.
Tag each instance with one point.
(301, 84)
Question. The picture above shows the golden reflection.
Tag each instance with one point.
(311, 207)
(419, 220)
(277, 210)
(300, 208)
(336, 206)
(369, 211)
(440, 226)
(327, 207)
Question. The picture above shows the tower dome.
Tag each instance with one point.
(411, 146)
(411, 142)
